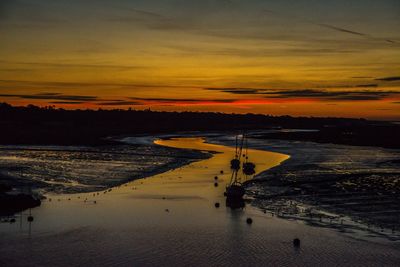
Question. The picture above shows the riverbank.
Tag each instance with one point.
(350, 188)
(346, 187)
(171, 219)
(76, 169)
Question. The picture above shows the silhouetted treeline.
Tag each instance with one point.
(35, 125)
(384, 135)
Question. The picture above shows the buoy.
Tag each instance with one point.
(296, 242)
(216, 178)
(216, 184)
(249, 220)
(30, 218)
(217, 205)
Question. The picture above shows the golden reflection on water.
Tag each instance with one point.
(144, 202)
(147, 202)
(170, 219)
(263, 159)
(204, 171)
(193, 182)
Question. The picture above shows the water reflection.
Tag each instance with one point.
(235, 203)
(131, 227)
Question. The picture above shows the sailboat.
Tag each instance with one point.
(249, 168)
(235, 189)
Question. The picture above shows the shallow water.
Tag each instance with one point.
(170, 219)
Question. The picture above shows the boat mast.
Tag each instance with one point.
(236, 147)
(241, 146)
(246, 149)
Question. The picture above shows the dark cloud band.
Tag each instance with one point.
(389, 79)
(348, 95)
(52, 96)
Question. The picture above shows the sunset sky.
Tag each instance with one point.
(311, 58)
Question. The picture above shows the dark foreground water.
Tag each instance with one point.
(170, 220)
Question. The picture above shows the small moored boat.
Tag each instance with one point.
(235, 190)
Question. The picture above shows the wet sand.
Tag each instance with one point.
(351, 188)
(80, 169)
(170, 219)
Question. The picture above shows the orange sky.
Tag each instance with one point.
(299, 58)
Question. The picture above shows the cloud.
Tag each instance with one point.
(237, 91)
(367, 85)
(23, 14)
(324, 95)
(140, 101)
(391, 41)
(302, 19)
(72, 65)
(181, 100)
(15, 70)
(68, 85)
(119, 103)
(259, 51)
(141, 12)
(57, 98)
(149, 19)
(52, 96)
(340, 29)
(389, 79)
(67, 102)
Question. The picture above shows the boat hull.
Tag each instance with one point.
(235, 191)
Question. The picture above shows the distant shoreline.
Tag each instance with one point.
(47, 126)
